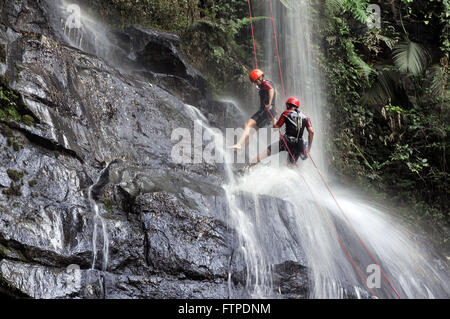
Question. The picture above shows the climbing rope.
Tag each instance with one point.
(320, 174)
(253, 34)
(353, 229)
(278, 52)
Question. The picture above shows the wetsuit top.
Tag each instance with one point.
(291, 118)
(264, 89)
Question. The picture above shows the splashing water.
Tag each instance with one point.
(258, 276)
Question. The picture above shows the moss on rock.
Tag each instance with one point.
(15, 175)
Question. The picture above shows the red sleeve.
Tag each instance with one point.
(282, 118)
(266, 86)
(308, 123)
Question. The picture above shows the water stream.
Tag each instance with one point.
(98, 219)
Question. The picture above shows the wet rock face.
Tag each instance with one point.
(291, 279)
(181, 240)
(25, 16)
(166, 224)
(158, 51)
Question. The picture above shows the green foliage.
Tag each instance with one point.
(16, 183)
(169, 15)
(13, 190)
(383, 88)
(410, 57)
(10, 108)
(109, 205)
(219, 44)
(358, 8)
(8, 105)
(15, 142)
(33, 182)
(391, 131)
(28, 120)
(354, 59)
(15, 175)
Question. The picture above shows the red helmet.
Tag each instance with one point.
(256, 74)
(293, 101)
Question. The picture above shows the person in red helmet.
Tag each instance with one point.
(263, 116)
(296, 122)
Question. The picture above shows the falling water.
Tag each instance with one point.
(259, 269)
(98, 219)
(339, 246)
(81, 30)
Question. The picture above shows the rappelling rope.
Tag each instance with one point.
(293, 158)
(278, 53)
(353, 229)
(336, 236)
(253, 34)
(321, 176)
(256, 64)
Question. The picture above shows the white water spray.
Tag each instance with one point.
(80, 30)
(259, 269)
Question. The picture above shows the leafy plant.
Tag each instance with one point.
(410, 57)
(394, 139)
(383, 89)
(10, 109)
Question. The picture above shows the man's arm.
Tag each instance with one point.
(271, 95)
(280, 122)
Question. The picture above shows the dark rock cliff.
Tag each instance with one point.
(167, 226)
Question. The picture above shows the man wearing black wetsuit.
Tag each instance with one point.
(292, 141)
(266, 112)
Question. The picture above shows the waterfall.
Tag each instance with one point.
(81, 30)
(259, 272)
(367, 235)
(101, 181)
(309, 228)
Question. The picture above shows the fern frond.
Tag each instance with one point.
(388, 41)
(439, 82)
(359, 63)
(334, 6)
(358, 8)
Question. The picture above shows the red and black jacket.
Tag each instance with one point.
(296, 122)
(264, 89)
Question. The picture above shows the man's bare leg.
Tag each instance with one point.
(245, 138)
(259, 158)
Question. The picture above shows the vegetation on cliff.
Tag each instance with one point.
(213, 32)
(389, 101)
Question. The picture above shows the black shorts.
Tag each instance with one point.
(262, 117)
(295, 148)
